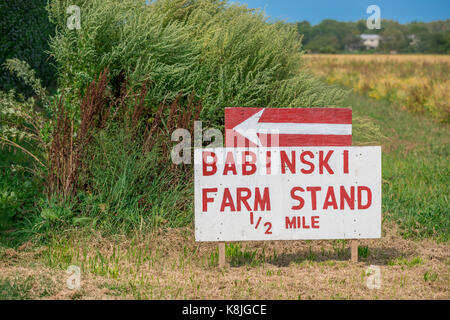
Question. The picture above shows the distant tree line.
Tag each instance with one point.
(331, 36)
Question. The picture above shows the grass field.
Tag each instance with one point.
(413, 254)
(415, 169)
(86, 174)
(418, 83)
(404, 97)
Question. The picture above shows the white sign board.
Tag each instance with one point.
(287, 193)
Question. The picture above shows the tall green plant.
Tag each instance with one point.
(125, 37)
(228, 54)
(130, 189)
(25, 129)
(24, 125)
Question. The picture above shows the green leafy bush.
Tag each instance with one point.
(229, 55)
(18, 189)
(25, 132)
(22, 125)
(24, 34)
(131, 190)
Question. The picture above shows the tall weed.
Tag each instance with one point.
(231, 56)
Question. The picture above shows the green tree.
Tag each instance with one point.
(332, 36)
(393, 38)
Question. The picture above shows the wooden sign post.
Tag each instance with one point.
(287, 174)
(222, 255)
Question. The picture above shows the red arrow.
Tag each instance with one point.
(293, 126)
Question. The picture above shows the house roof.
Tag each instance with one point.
(370, 36)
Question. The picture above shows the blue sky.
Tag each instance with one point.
(351, 10)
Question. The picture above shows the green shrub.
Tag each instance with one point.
(228, 54)
(128, 40)
(25, 124)
(130, 189)
(125, 191)
(100, 174)
(17, 193)
(24, 33)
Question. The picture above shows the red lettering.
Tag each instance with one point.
(291, 224)
(212, 165)
(243, 199)
(285, 161)
(323, 163)
(298, 198)
(246, 163)
(300, 222)
(268, 162)
(305, 226)
(315, 222)
(330, 199)
(264, 202)
(304, 161)
(350, 199)
(313, 191)
(345, 161)
(205, 198)
(369, 198)
(227, 201)
(229, 164)
(269, 227)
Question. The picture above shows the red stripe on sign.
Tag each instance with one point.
(252, 127)
(308, 115)
(234, 139)
(307, 140)
(234, 116)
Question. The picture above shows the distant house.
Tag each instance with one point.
(370, 41)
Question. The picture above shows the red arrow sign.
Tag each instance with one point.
(290, 126)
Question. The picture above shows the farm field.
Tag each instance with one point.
(415, 144)
(417, 83)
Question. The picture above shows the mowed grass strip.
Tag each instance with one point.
(170, 265)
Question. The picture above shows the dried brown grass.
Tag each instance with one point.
(173, 266)
(67, 150)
